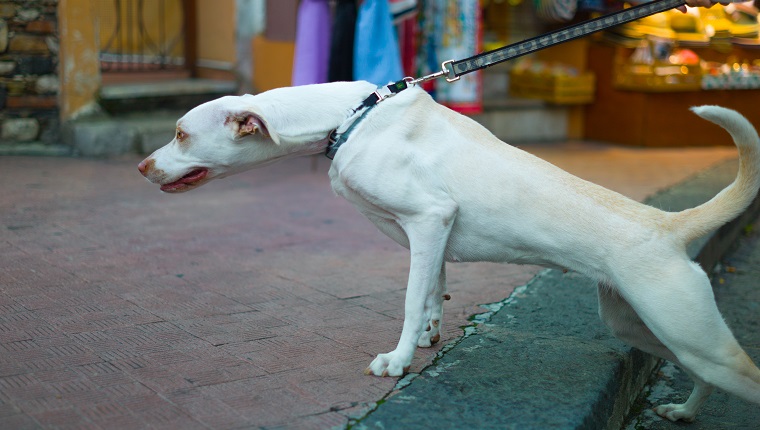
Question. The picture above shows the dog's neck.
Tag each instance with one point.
(304, 116)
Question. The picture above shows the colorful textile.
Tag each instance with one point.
(376, 52)
(341, 65)
(407, 32)
(451, 30)
(312, 42)
(401, 10)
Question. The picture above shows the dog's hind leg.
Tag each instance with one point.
(688, 410)
(676, 302)
(626, 325)
(434, 308)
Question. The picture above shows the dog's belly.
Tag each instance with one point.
(475, 248)
(548, 248)
(526, 239)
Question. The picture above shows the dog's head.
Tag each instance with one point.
(211, 141)
(232, 134)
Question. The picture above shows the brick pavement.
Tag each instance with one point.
(255, 301)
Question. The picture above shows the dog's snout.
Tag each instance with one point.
(145, 166)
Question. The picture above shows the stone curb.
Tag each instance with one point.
(543, 359)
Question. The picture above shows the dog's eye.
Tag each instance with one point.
(180, 135)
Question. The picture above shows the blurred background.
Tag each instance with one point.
(106, 77)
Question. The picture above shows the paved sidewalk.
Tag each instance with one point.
(255, 301)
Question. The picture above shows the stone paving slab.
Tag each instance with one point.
(255, 301)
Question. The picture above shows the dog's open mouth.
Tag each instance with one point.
(186, 182)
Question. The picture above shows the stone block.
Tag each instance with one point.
(50, 129)
(32, 102)
(28, 44)
(19, 130)
(53, 44)
(527, 124)
(15, 86)
(41, 27)
(7, 67)
(151, 141)
(35, 149)
(3, 35)
(47, 84)
(49, 9)
(34, 65)
(100, 138)
(27, 14)
(7, 10)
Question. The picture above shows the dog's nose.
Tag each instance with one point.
(143, 167)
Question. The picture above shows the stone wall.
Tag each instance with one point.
(28, 73)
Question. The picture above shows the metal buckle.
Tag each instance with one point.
(333, 137)
(449, 72)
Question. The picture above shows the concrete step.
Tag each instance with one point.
(142, 116)
(517, 120)
(513, 121)
(180, 94)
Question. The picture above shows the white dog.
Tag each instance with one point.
(444, 187)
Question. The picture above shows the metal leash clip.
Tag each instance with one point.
(445, 71)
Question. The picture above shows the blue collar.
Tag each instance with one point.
(340, 135)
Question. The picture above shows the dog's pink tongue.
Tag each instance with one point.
(194, 176)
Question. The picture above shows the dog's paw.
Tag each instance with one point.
(390, 364)
(431, 336)
(675, 412)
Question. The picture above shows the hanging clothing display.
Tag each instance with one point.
(376, 51)
(341, 66)
(404, 13)
(451, 30)
(312, 52)
(401, 10)
(407, 32)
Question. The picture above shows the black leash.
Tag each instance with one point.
(453, 70)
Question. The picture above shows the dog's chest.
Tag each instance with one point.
(352, 191)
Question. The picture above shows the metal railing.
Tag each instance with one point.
(143, 36)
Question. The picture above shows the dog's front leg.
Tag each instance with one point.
(434, 308)
(428, 235)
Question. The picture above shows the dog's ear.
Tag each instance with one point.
(249, 123)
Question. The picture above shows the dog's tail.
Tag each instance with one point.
(734, 199)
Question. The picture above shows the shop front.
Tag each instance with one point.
(630, 85)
